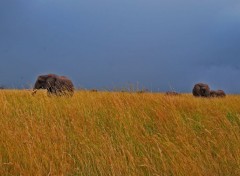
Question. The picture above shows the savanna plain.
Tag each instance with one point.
(118, 133)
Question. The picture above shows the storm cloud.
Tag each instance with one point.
(158, 44)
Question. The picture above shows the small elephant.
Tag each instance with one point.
(217, 93)
(172, 93)
(55, 85)
(201, 90)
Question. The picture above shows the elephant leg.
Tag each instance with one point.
(51, 91)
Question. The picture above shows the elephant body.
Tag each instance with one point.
(217, 93)
(201, 90)
(56, 85)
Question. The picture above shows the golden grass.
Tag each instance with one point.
(104, 133)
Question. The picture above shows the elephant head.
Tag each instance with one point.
(201, 90)
(58, 85)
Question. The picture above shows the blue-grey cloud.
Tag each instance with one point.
(157, 44)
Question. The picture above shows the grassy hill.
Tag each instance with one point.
(104, 133)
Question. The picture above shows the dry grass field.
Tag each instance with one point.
(111, 133)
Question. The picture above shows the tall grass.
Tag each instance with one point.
(104, 133)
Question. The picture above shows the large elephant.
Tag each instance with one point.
(217, 93)
(56, 85)
(201, 90)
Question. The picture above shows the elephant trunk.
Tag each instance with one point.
(35, 87)
(34, 91)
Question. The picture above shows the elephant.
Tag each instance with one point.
(172, 93)
(217, 93)
(55, 85)
(201, 90)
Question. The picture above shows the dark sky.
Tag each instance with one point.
(157, 44)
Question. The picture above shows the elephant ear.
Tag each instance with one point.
(50, 82)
